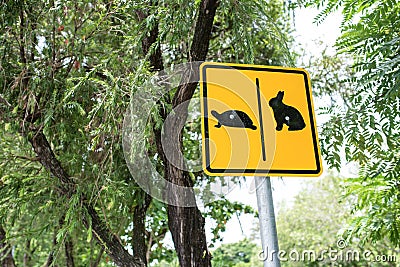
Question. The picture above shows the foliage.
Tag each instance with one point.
(70, 69)
(79, 104)
(240, 254)
(378, 200)
(222, 211)
(252, 36)
(314, 223)
(366, 127)
(329, 77)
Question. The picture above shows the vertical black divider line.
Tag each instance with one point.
(261, 119)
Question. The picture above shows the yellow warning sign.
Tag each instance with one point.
(258, 120)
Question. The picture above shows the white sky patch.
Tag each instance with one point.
(307, 33)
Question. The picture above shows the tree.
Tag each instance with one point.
(310, 230)
(239, 254)
(68, 72)
(366, 127)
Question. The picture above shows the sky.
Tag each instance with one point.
(306, 32)
(285, 189)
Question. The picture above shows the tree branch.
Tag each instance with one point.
(69, 251)
(98, 258)
(4, 101)
(152, 240)
(156, 61)
(50, 258)
(6, 258)
(139, 233)
(22, 53)
(99, 229)
(199, 48)
(139, 213)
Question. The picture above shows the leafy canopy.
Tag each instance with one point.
(365, 125)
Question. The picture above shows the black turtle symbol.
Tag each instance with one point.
(233, 118)
(285, 114)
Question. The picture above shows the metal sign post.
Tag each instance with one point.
(269, 236)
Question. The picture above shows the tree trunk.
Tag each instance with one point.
(187, 223)
(6, 257)
(69, 252)
(139, 233)
(187, 227)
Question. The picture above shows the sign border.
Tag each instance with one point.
(205, 126)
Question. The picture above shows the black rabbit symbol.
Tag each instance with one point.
(285, 114)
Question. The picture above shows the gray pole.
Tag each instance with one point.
(269, 236)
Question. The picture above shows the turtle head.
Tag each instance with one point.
(215, 114)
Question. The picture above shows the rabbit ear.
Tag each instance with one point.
(280, 95)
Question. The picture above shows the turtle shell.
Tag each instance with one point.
(234, 118)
